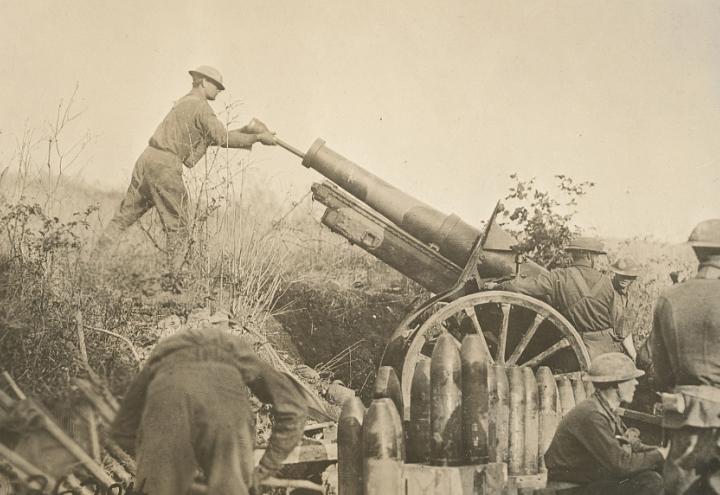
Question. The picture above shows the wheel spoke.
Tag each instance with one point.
(503, 332)
(557, 346)
(470, 311)
(522, 345)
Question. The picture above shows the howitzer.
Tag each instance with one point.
(520, 360)
(451, 259)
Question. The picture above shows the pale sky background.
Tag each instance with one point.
(442, 98)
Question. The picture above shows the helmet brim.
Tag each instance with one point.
(611, 378)
(585, 250)
(704, 244)
(624, 273)
(214, 81)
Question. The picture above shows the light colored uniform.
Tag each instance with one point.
(189, 406)
(182, 138)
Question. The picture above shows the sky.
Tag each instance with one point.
(444, 99)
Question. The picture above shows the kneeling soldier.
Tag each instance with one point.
(593, 450)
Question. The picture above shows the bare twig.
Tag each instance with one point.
(124, 339)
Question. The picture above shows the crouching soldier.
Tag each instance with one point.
(593, 452)
(685, 350)
(190, 406)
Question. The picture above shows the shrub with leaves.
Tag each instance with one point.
(543, 222)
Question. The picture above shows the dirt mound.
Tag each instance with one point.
(341, 331)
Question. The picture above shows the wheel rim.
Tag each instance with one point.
(516, 329)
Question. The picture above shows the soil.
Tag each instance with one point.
(325, 320)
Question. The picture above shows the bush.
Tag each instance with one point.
(544, 224)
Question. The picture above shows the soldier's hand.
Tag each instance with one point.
(266, 138)
(490, 285)
(256, 126)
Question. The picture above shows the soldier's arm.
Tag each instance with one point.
(289, 406)
(127, 421)
(661, 367)
(540, 287)
(596, 434)
(219, 134)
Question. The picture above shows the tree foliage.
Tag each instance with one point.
(543, 221)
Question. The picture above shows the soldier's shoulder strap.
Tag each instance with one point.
(579, 280)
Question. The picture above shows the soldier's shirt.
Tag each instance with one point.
(685, 339)
(580, 293)
(586, 449)
(214, 343)
(188, 130)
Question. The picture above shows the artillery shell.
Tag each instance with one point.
(350, 455)
(548, 415)
(578, 389)
(446, 403)
(565, 391)
(383, 449)
(516, 440)
(387, 386)
(474, 399)
(419, 433)
(532, 437)
(498, 414)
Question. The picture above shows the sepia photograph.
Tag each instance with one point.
(384, 247)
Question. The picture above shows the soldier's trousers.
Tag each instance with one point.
(196, 414)
(156, 182)
(693, 464)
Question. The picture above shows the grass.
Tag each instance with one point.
(262, 258)
(249, 251)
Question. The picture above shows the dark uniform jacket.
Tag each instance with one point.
(215, 344)
(585, 447)
(580, 293)
(685, 340)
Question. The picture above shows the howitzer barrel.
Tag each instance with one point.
(453, 237)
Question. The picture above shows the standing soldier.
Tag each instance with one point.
(581, 293)
(593, 450)
(625, 272)
(189, 406)
(685, 351)
(181, 139)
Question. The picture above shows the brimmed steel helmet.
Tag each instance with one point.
(612, 367)
(626, 266)
(590, 244)
(210, 73)
(706, 234)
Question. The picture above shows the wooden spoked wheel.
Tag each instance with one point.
(5, 485)
(516, 329)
